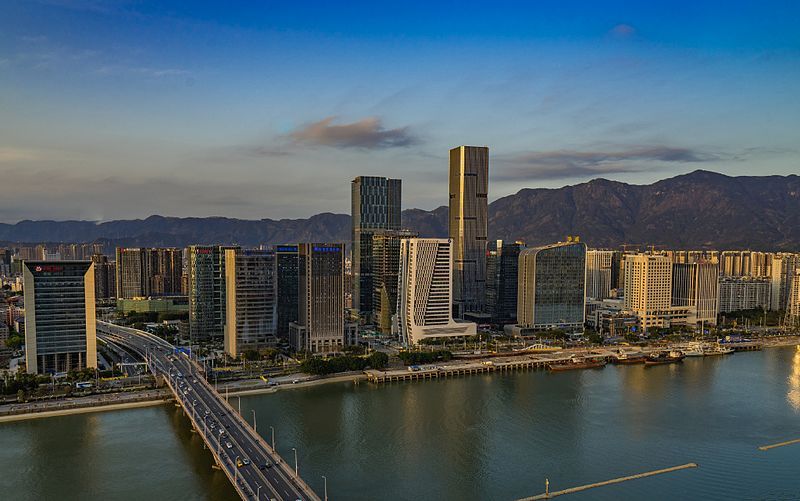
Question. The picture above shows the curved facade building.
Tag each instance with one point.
(425, 291)
(552, 287)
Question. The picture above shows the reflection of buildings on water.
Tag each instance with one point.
(793, 393)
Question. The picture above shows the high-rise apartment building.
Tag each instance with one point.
(133, 271)
(782, 272)
(502, 267)
(468, 226)
(648, 288)
(386, 267)
(320, 327)
(207, 290)
(145, 272)
(793, 308)
(250, 318)
(60, 324)
(600, 273)
(425, 291)
(287, 280)
(552, 287)
(104, 277)
(697, 285)
(375, 207)
(743, 293)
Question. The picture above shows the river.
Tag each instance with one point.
(493, 437)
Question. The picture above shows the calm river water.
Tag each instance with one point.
(493, 437)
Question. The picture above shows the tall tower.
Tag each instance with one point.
(424, 295)
(60, 326)
(469, 208)
(320, 324)
(375, 208)
(249, 300)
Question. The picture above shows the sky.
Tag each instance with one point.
(121, 109)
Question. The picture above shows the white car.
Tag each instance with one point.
(228, 445)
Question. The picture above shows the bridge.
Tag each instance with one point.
(253, 466)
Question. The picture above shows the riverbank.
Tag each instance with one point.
(301, 383)
(83, 405)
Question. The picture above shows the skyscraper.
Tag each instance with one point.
(552, 287)
(133, 272)
(375, 207)
(425, 291)
(599, 273)
(648, 288)
(249, 300)
(697, 285)
(60, 325)
(502, 268)
(468, 223)
(207, 290)
(287, 279)
(104, 277)
(320, 326)
(144, 272)
(386, 266)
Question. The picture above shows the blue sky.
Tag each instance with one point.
(121, 109)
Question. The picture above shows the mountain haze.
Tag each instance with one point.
(697, 210)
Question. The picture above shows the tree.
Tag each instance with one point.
(378, 360)
(251, 355)
(595, 338)
(15, 342)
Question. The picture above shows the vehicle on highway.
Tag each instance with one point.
(239, 463)
(228, 445)
(208, 412)
(246, 461)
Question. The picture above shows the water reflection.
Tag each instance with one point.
(793, 393)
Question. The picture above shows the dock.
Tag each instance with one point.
(455, 368)
(548, 495)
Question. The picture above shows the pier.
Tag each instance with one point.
(455, 368)
(571, 490)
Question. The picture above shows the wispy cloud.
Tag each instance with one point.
(565, 164)
(16, 155)
(143, 71)
(622, 31)
(368, 133)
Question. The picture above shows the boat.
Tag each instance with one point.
(717, 349)
(577, 363)
(694, 350)
(664, 357)
(625, 358)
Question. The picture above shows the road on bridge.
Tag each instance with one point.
(258, 472)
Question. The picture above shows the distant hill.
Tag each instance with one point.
(697, 210)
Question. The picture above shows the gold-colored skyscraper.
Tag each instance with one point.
(469, 215)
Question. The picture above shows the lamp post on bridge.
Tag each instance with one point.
(273, 438)
(255, 426)
(258, 492)
(326, 487)
(296, 470)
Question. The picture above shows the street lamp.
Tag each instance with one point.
(240, 404)
(296, 472)
(255, 426)
(326, 486)
(273, 438)
(258, 492)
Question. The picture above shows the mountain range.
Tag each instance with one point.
(699, 210)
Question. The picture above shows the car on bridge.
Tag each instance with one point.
(228, 445)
